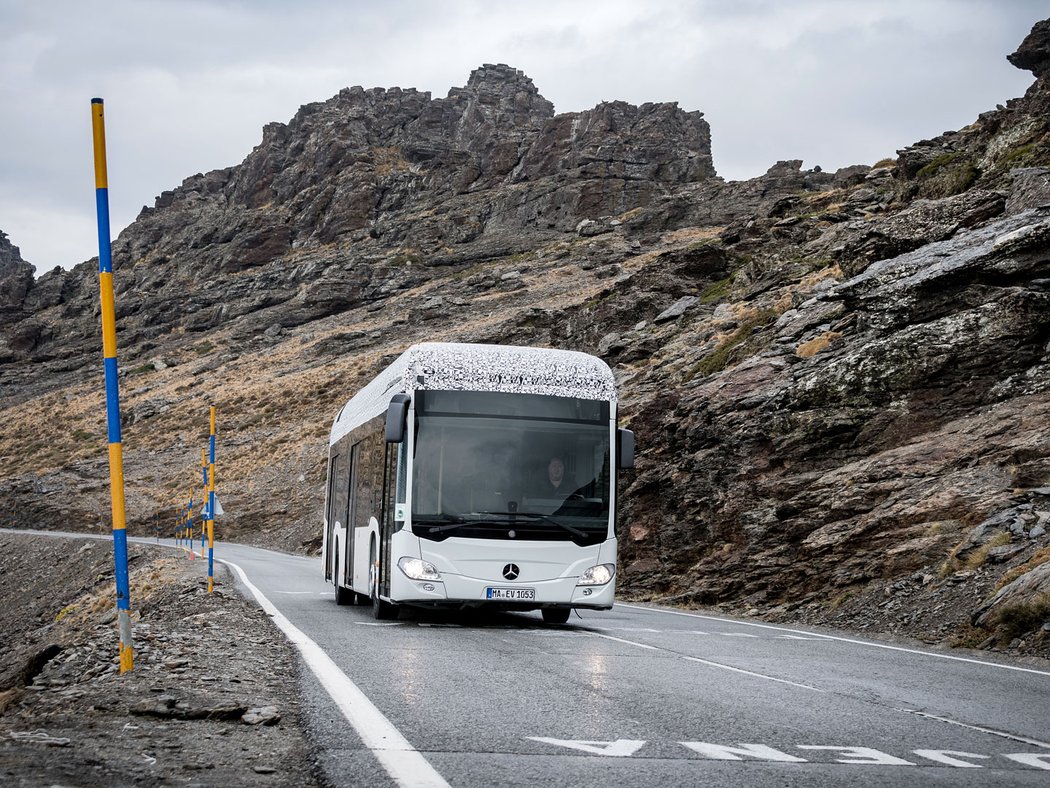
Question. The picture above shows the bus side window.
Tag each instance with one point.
(376, 461)
(329, 510)
(368, 480)
(340, 488)
(356, 504)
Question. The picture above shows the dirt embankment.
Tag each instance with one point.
(212, 699)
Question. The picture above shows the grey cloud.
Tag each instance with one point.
(189, 85)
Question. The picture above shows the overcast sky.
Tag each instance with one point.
(188, 85)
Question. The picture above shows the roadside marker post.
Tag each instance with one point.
(189, 530)
(109, 355)
(204, 506)
(211, 499)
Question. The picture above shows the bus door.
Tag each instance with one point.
(329, 517)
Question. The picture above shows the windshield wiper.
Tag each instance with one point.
(440, 522)
(537, 516)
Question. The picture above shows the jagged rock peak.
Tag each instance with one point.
(490, 76)
(16, 275)
(8, 251)
(1034, 53)
(506, 87)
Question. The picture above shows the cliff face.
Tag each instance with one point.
(840, 382)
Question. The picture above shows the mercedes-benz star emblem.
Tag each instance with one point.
(511, 571)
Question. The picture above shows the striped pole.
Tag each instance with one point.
(109, 355)
(211, 499)
(189, 528)
(204, 514)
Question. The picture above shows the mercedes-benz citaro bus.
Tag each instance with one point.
(477, 475)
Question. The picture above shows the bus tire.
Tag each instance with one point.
(556, 615)
(381, 611)
(343, 596)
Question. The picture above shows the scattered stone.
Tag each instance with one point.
(136, 724)
(677, 309)
(998, 555)
(39, 737)
(263, 715)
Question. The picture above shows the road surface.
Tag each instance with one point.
(642, 696)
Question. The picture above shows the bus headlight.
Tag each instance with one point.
(597, 575)
(418, 569)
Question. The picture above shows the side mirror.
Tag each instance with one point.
(396, 417)
(624, 448)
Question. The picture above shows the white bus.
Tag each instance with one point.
(477, 475)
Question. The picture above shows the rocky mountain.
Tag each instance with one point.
(840, 382)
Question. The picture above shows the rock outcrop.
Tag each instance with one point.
(840, 382)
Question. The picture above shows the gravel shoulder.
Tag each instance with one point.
(213, 698)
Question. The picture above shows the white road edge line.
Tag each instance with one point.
(992, 731)
(401, 760)
(706, 662)
(841, 639)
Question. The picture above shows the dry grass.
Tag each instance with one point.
(817, 344)
(1041, 557)
(389, 160)
(1018, 620)
(973, 560)
(809, 281)
(690, 234)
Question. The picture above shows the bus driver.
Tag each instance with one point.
(557, 484)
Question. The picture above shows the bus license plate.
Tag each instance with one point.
(511, 594)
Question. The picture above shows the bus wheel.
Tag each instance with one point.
(381, 611)
(556, 615)
(343, 596)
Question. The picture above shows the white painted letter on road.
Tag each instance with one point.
(621, 748)
(860, 755)
(945, 757)
(1039, 760)
(721, 752)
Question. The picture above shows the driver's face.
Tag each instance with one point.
(555, 471)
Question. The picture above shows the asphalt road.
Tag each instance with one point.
(642, 696)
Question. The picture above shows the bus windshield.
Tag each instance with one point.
(510, 466)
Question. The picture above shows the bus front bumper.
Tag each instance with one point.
(462, 591)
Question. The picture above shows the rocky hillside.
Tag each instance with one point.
(840, 382)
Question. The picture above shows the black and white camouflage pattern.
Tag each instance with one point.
(451, 366)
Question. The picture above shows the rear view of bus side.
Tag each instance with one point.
(477, 475)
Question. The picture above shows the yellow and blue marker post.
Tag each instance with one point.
(109, 355)
(211, 499)
(204, 512)
(189, 528)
